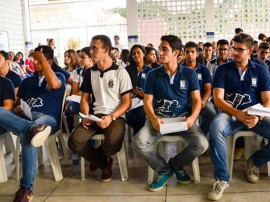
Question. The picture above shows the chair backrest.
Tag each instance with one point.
(63, 106)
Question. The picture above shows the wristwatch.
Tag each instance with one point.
(113, 117)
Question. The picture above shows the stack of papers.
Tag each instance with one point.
(74, 98)
(172, 125)
(258, 110)
(90, 117)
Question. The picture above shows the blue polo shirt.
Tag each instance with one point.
(203, 75)
(40, 97)
(6, 90)
(242, 93)
(171, 95)
(14, 78)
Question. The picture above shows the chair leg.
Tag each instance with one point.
(230, 153)
(122, 160)
(247, 147)
(9, 144)
(64, 147)
(17, 158)
(82, 168)
(40, 156)
(150, 175)
(196, 170)
(53, 156)
(3, 171)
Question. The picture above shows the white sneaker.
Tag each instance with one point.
(39, 135)
(218, 188)
(252, 173)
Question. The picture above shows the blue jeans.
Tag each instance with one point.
(224, 125)
(145, 144)
(12, 122)
(208, 113)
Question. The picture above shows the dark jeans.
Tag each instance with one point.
(114, 136)
(135, 118)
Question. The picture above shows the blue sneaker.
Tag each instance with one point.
(160, 181)
(181, 174)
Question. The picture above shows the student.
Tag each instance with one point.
(110, 87)
(168, 90)
(237, 85)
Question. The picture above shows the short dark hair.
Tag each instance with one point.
(238, 30)
(244, 38)
(254, 42)
(106, 41)
(86, 50)
(191, 44)
(115, 48)
(174, 41)
(200, 42)
(116, 36)
(264, 45)
(46, 50)
(5, 54)
(207, 44)
(223, 42)
(261, 36)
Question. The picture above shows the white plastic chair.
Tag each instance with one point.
(230, 146)
(50, 144)
(7, 138)
(180, 141)
(121, 155)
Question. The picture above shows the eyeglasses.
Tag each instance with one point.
(222, 49)
(238, 50)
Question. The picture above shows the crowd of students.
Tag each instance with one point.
(214, 83)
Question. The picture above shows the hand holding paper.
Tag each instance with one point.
(172, 125)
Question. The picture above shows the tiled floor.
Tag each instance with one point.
(71, 188)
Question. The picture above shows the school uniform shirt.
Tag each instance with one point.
(6, 90)
(107, 87)
(14, 78)
(242, 91)
(171, 94)
(35, 91)
(212, 65)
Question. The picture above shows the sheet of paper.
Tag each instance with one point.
(259, 110)
(90, 117)
(172, 125)
(26, 109)
(74, 98)
(136, 102)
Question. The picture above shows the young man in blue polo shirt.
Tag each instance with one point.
(208, 111)
(237, 85)
(222, 56)
(168, 90)
(43, 92)
(263, 53)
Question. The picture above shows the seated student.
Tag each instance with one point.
(207, 53)
(237, 85)
(208, 111)
(151, 57)
(6, 95)
(263, 52)
(168, 90)
(137, 71)
(222, 56)
(9, 74)
(43, 92)
(78, 75)
(110, 87)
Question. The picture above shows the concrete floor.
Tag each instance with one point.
(71, 188)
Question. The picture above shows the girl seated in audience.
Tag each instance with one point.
(137, 70)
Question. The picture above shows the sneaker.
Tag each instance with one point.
(40, 134)
(23, 195)
(218, 188)
(252, 173)
(238, 153)
(181, 174)
(106, 175)
(160, 181)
